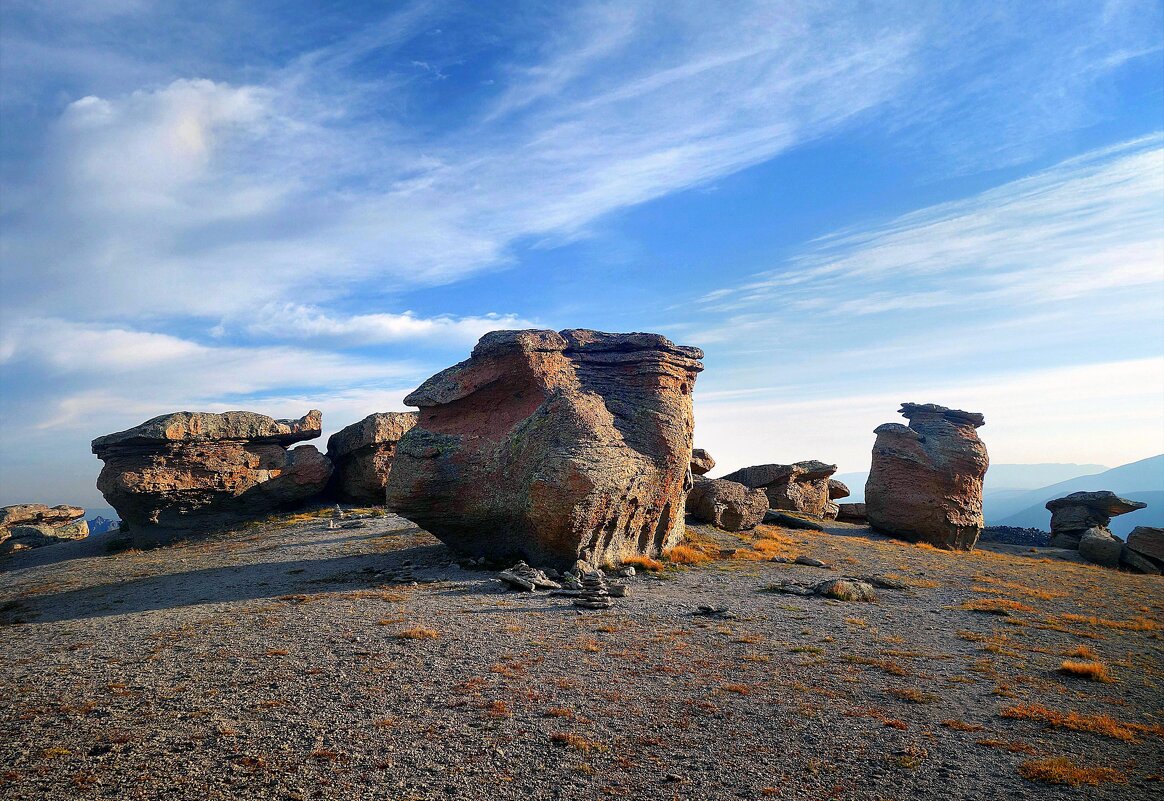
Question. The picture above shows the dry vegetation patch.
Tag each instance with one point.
(1061, 770)
(1092, 671)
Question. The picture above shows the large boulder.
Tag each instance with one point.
(801, 487)
(701, 462)
(851, 512)
(1099, 546)
(837, 489)
(554, 447)
(362, 456)
(925, 482)
(192, 472)
(1148, 541)
(1074, 514)
(726, 504)
(34, 525)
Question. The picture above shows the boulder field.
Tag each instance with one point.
(1080, 521)
(803, 487)
(553, 447)
(193, 472)
(925, 481)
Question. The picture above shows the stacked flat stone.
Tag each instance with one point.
(595, 594)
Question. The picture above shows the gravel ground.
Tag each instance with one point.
(286, 661)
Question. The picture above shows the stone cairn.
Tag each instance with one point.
(595, 593)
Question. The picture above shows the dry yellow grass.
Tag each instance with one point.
(639, 562)
(418, 633)
(914, 696)
(1135, 624)
(576, 741)
(995, 606)
(1061, 770)
(686, 555)
(1092, 671)
(1013, 747)
(1082, 652)
(1104, 725)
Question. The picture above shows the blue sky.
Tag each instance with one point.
(277, 207)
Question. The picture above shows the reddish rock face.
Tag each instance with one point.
(190, 473)
(552, 447)
(925, 482)
(362, 456)
(801, 487)
(726, 504)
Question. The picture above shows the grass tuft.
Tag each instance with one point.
(1061, 770)
(996, 606)
(1092, 671)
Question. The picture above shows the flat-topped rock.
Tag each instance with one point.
(925, 481)
(799, 487)
(1148, 541)
(362, 456)
(35, 525)
(191, 473)
(554, 447)
(1078, 512)
(180, 427)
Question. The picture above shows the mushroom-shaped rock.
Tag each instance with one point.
(925, 482)
(34, 525)
(800, 487)
(1074, 514)
(701, 462)
(552, 447)
(189, 473)
(362, 456)
(727, 504)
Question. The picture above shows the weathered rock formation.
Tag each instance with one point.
(192, 472)
(925, 482)
(1098, 545)
(34, 525)
(553, 447)
(362, 456)
(801, 487)
(701, 462)
(1074, 514)
(1148, 541)
(726, 504)
(851, 512)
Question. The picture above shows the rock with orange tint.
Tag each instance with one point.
(701, 462)
(801, 487)
(188, 473)
(726, 504)
(925, 482)
(553, 447)
(362, 456)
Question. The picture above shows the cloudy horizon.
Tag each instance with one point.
(847, 208)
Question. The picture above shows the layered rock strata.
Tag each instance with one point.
(34, 525)
(1075, 514)
(800, 487)
(554, 447)
(925, 481)
(362, 456)
(188, 473)
(726, 504)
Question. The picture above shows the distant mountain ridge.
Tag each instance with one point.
(1137, 481)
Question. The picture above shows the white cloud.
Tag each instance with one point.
(306, 323)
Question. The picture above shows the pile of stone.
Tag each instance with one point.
(189, 473)
(34, 525)
(594, 593)
(1079, 521)
(362, 456)
(726, 504)
(524, 577)
(925, 481)
(840, 589)
(555, 446)
(801, 487)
